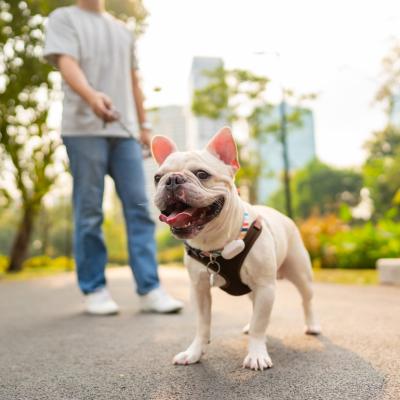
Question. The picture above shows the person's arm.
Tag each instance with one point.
(76, 79)
(140, 111)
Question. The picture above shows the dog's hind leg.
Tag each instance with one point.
(297, 269)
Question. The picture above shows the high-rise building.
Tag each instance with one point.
(301, 149)
(168, 121)
(201, 129)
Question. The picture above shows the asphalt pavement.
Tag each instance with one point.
(50, 349)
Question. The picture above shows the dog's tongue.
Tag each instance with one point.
(177, 219)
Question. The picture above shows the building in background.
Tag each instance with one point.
(301, 150)
(201, 129)
(168, 121)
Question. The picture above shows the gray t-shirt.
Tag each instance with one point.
(105, 51)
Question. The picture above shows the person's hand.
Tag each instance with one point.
(102, 106)
(145, 141)
(145, 137)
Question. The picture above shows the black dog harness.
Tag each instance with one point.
(229, 269)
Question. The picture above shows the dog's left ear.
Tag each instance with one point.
(223, 146)
(161, 148)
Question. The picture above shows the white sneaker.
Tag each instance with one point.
(158, 301)
(100, 302)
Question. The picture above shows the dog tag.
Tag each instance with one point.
(232, 249)
(212, 279)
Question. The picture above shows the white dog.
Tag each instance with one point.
(197, 197)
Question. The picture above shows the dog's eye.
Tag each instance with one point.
(157, 178)
(202, 174)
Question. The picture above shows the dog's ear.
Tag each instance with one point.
(161, 148)
(223, 146)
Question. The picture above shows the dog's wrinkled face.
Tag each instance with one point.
(192, 187)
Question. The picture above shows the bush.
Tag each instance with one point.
(171, 255)
(165, 240)
(334, 244)
(45, 262)
(3, 264)
(170, 250)
(316, 232)
(362, 246)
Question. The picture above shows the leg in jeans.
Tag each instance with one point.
(88, 157)
(126, 168)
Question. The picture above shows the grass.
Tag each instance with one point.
(31, 273)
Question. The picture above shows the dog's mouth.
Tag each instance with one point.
(185, 220)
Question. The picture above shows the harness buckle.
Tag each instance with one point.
(211, 272)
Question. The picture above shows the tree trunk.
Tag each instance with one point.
(21, 242)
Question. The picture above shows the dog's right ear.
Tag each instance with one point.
(161, 148)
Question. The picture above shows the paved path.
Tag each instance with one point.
(49, 349)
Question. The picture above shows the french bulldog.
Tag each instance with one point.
(198, 199)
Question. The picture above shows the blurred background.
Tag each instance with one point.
(311, 89)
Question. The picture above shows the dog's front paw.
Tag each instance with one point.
(257, 361)
(258, 357)
(187, 357)
(313, 329)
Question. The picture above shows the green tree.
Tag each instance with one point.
(381, 169)
(382, 164)
(27, 145)
(234, 95)
(240, 95)
(320, 188)
(390, 85)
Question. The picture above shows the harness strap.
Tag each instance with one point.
(230, 269)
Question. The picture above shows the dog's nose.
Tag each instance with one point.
(174, 181)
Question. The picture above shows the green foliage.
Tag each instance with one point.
(3, 264)
(362, 246)
(115, 237)
(26, 145)
(131, 11)
(321, 189)
(237, 95)
(381, 169)
(58, 263)
(170, 249)
(389, 87)
(8, 223)
(226, 92)
(122, 9)
(38, 266)
(171, 255)
(335, 244)
(233, 95)
(51, 237)
(165, 240)
(213, 101)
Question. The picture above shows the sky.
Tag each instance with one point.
(332, 48)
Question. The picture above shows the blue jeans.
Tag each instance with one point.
(91, 158)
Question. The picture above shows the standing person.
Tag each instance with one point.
(103, 104)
